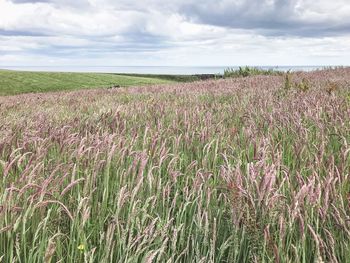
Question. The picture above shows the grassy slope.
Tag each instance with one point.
(16, 82)
(238, 170)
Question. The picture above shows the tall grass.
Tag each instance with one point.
(215, 171)
(249, 71)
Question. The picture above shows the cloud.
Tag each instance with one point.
(303, 18)
(175, 32)
(275, 17)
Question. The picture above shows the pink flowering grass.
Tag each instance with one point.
(232, 170)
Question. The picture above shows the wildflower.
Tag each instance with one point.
(81, 247)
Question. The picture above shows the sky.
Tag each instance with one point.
(174, 32)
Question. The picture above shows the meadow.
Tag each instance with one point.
(17, 82)
(252, 169)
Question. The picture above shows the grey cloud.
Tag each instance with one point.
(133, 42)
(26, 33)
(265, 17)
(120, 28)
(30, 1)
(77, 4)
(278, 17)
(134, 38)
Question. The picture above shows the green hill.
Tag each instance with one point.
(16, 82)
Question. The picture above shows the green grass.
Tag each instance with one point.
(17, 82)
(249, 71)
(224, 171)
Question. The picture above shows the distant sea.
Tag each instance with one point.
(171, 70)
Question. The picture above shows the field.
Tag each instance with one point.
(251, 169)
(16, 82)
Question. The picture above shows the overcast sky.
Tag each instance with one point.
(174, 32)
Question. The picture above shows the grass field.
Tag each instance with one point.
(16, 82)
(249, 169)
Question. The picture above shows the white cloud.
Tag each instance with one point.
(182, 32)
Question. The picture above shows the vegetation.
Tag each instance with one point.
(175, 78)
(214, 171)
(16, 82)
(249, 71)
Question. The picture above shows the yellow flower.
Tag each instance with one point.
(81, 247)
